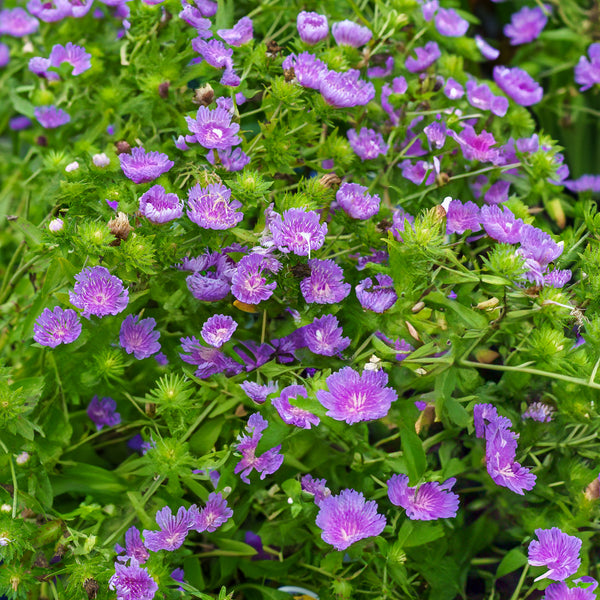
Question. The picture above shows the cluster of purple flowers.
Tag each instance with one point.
(500, 450)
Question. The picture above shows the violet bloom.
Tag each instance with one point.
(587, 72)
(497, 192)
(487, 51)
(211, 285)
(258, 393)
(17, 22)
(208, 8)
(375, 72)
(324, 336)
(160, 207)
(518, 85)
(56, 326)
(317, 487)
(141, 166)
(429, 9)
(248, 284)
(254, 355)
(103, 412)
(139, 338)
(241, 32)
(214, 129)
(426, 56)
(453, 90)
(268, 462)
(561, 591)
(208, 361)
(525, 25)
(429, 502)
(477, 146)
(195, 18)
(436, 134)
(214, 52)
(312, 27)
(348, 33)
(51, 12)
(400, 218)
(218, 329)
(354, 398)
(308, 69)
(367, 144)
(462, 217)
(4, 55)
(557, 551)
(538, 411)
(50, 117)
(292, 415)
(19, 123)
(212, 516)
(132, 582)
(134, 547)
(378, 297)
(298, 231)
(173, 530)
(417, 172)
(356, 201)
(481, 97)
(99, 293)
(585, 183)
(449, 23)
(348, 518)
(232, 159)
(538, 245)
(325, 284)
(557, 278)
(344, 90)
(74, 55)
(501, 225)
(212, 207)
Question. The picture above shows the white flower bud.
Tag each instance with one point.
(101, 160)
(56, 225)
(22, 458)
(72, 166)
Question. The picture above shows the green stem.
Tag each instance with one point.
(517, 591)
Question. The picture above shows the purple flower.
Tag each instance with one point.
(436, 134)
(159, 207)
(449, 23)
(343, 90)
(258, 393)
(19, 123)
(102, 412)
(139, 338)
(400, 345)
(557, 551)
(308, 69)
(501, 224)
(312, 27)
(538, 411)
(538, 245)
(292, 415)
(214, 52)
(51, 12)
(477, 146)
(497, 193)
(241, 32)
(261, 354)
(488, 412)
(587, 72)
(481, 97)
(325, 284)
(525, 25)
(173, 530)
(317, 487)
(298, 231)
(207, 285)
(560, 591)
(265, 464)
(132, 582)
(99, 293)
(76, 56)
(141, 166)
(487, 51)
(378, 297)
(585, 183)
(214, 129)
(208, 360)
(417, 172)
(356, 201)
(399, 86)
(348, 518)
(426, 56)
(453, 90)
(212, 207)
(212, 516)
(17, 22)
(50, 117)
(429, 502)
(367, 144)
(354, 398)
(207, 7)
(218, 329)
(134, 547)
(399, 220)
(4, 55)
(324, 336)
(232, 159)
(178, 576)
(194, 17)
(462, 217)
(518, 85)
(248, 283)
(557, 278)
(56, 326)
(374, 72)
(347, 33)
(429, 9)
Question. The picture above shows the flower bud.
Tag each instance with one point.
(22, 458)
(122, 147)
(163, 89)
(119, 226)
(204, 95)
(101, 160)
(56, 225)
(72, 166)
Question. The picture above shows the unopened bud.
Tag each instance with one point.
(204, 95)
(72, 166)
(442, 179)
(329, 180)
(101, 160)
(122, 147)
(91, 588)
(5, 508)
(592, 491)
(41, 140)
(163, 89)
(56, 225)
(418, 307)
(488, 304)
(22, 458)
(119, 226)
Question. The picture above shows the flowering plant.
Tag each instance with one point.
(299, 298)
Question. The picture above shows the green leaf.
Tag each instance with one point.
(512, 560)
(32, 234)
(469, 317)
(227, 547)
(423, 533)
(416, 460)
